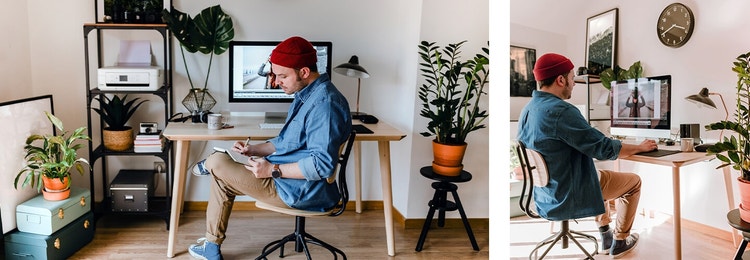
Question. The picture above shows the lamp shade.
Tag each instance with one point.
(702, 98)
(352, 68)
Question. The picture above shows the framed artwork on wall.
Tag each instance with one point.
(601, 41)
(24, 117)
(522, 81)
(130, 11)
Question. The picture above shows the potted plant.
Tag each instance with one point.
(49, 159)
(734, 150)
(116, 112)
(209, 33)
(450, 100)
(635, 71)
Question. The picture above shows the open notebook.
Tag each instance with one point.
(237, 157)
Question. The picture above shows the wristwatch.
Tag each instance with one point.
(276, 173)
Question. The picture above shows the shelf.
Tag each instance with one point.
(158, 206)
(587, 79)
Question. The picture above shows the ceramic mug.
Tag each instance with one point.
(687, 144)
(215, 121)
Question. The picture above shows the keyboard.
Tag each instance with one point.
(659, 153)
(271, 126)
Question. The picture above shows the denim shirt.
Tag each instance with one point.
(317, 123)
(558, 131)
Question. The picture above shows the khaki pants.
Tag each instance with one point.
(625, 189)
(230, 179)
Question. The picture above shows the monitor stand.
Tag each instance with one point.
(275, 118)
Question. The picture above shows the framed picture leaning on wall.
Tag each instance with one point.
(601, 41)
(522, 81)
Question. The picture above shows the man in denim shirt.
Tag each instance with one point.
(293, 167)
(557, 130)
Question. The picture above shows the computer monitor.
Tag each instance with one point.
(642, 108)
(249, 68)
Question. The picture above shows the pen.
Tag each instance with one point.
(247, 142)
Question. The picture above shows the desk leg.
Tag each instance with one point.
(182, 148)
(677, 216)
(730, 200)
(384, 149)
(358, 175)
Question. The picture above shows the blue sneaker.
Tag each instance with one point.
(199, 169)
(205, 250)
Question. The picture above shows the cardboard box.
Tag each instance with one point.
(130, 190)
(44, 217)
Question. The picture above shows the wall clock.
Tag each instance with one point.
(675, 25)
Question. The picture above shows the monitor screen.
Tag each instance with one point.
(641, 108)
(249, 69)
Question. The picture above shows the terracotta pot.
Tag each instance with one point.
(744, 213)
(448, 158)
(54, 189)
(744, 187)
(118, 140)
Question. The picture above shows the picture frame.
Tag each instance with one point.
(522, 81)
(601, 41)
(151, 15)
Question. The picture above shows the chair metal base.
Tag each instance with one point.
(565, 234)
(300, 238)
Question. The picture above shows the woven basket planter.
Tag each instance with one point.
(118, 140)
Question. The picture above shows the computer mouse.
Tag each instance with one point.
(368, 119)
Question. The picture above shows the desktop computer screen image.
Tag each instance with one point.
(641, 108)
(249, 69)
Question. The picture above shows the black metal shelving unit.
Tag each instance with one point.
(158, 206)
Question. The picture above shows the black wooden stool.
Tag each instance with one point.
(440, 202)
(736, 222)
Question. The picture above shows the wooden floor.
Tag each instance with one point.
(656, 240)
(361, 236)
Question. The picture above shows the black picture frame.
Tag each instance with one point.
(522, 81)
(601, 41)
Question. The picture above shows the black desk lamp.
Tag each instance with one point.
(352, 69)
(703, 99)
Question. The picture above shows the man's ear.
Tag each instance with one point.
(304, 72)
(560, 79)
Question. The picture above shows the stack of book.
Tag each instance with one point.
(148, 143)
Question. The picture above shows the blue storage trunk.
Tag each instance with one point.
(60, 245)
(44, 217)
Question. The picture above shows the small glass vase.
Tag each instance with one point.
(199, 102)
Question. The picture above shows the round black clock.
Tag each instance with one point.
(675, 25)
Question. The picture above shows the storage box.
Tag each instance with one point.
(131, 189)
(60, 245)
(44, 217)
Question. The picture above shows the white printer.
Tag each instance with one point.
(130, 78)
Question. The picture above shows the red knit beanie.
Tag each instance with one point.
(551, 65)
(295, 52)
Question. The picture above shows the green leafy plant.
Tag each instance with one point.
(209, 33)
(51, 155)
(608, 75)
(116, 112)
(737, 147)
(450, 96)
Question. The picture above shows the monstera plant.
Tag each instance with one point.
(208, 33)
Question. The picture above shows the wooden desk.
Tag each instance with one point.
(183, 133)
(676, 161)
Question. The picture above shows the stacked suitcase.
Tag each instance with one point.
(51, 229)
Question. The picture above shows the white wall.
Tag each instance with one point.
(15, 68)
(705, 61)
(436, 28)
(47, 57)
